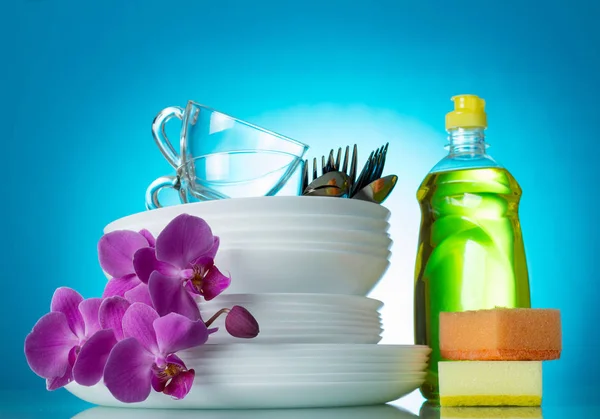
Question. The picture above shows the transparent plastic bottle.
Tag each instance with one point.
(470, 254)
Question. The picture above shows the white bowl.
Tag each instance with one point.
(300, 247)
(221, 224)
(268, 206)
(272, 270)
(278, 268)
(326, 236)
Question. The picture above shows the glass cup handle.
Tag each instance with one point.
(152, 198)
(160, 136)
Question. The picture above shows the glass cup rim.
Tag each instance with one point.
(304, 146)
(183, 173)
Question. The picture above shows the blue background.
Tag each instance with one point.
(81, 81)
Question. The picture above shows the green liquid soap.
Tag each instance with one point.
(470, 253)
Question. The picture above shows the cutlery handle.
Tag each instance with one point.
(160, 136)
(153, 191)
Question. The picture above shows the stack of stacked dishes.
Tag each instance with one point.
(303, 267)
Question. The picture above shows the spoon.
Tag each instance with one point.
(330, 191)
(378, 190)
(332, 183)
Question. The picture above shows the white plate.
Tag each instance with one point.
(274, 330)
(300, 366)
(383, 411)
(258, 222)
(329, 236)
(317, 207)
(303, 316)
(323, 313)
(303, 299)
(286, 318)
(274, 351)
(300, 247)
(217, 378)
(405, 361)
(262, 396)
(356, 338)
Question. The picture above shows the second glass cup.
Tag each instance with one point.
(226, 175)
(205, 131)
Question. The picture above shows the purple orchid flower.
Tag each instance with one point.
(181, 267)
(146, 359)
(115, 253)
(70, 342)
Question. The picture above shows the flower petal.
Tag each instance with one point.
(175, 332)
(180, 385)
(111, 315)
(159, 383)
(169, 296)
(174, 359)
(139, 294)
(214, 283)
(89, 366)
(149, 237)
(137, 323)
(241, 324)
(145, 262)
(89, 309)
(66, 300)
(184, 239)
(128, 371)
(58, 382)
(119, 286)
(116, 249)
(48, 345)
(215, 247)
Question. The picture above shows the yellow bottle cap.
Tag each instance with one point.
(469, 112)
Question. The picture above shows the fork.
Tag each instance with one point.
(330, 163)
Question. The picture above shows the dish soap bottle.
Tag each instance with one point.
(470, 254)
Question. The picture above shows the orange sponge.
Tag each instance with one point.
(501, 334)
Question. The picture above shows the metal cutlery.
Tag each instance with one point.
(335, 178)
(332, 183)
(378, 190)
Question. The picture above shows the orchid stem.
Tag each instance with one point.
(216, 316)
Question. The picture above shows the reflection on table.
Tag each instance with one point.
(370, 412)
(430, 411)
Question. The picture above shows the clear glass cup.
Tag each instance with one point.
(236, 174)
(205, 131)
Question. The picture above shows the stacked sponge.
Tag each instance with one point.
(501, 352)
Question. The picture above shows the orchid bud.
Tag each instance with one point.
(241, 324)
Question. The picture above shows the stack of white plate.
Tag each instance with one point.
(292, 244)
(301, 318)
(302, 266)
(288, 376)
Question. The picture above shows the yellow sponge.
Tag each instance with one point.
(490, 383)
(491, 413)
